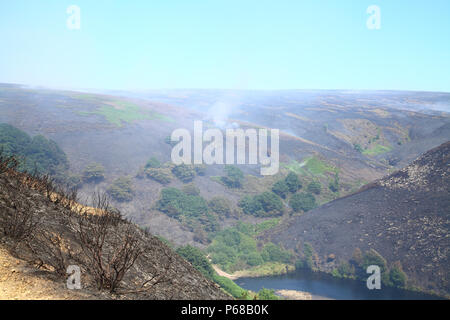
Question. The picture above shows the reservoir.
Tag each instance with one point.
(324, 286)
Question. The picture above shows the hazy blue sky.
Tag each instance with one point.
(313, 44)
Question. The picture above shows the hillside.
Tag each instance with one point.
(44, 230)
(404, 217)
(355, 136)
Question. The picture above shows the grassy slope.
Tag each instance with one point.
(119, 112)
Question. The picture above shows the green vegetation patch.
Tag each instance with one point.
(86, 96)
(267, 294)
(314, 187)
(269, 269)
(161, 175)
(184, 172)
(191, 210)
(121, 189)
(198, 259)
(334, 184)
(318, 167)
(37, 154)
(234, 177)
(355, 268)
(200, 262)
(266, 204)
(293, 182)
(153, 163)
(295, 166)
(310, 166)
(302, 201)
(175, 202)
(236, 248)
(125, 112)
(232, 288)
(94, 172)
(376, 149)
(266, 225)
(221, 206)
(281, 188)
(191, 189)
(397, 277)
(305, 261)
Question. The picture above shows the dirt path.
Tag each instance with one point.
(222, 273)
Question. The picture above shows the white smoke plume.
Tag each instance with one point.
(220, 112)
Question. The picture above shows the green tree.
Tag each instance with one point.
(397, 277)
(293, 182)
(302, 201)
(12, 140)
(170, 202)
(191, 210)
(161, 175)
(272, 252)
(306, 261)
(45, 155)
(207, 222)
(229, 286)
(267, 294)
(231, 237)
(121, 189)
(250, 205)
(281, 188)
(271, 203)
(36, 155)
(334, 185)
(174, 202)
(94, 172)
(153, 163)
(191, 189)
(314, 187)
(223, 255)
(198, 259)
(220, 205)
(254, 259)
(346, 270)
(185, 173)
(264, 204)
(372, 257)
(234, 177)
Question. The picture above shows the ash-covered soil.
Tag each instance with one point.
(404, 216)
(42, 236)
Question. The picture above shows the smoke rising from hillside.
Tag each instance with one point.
(222, 109)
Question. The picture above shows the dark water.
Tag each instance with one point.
(323, 286)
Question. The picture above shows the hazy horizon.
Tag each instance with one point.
(105, 90)
(284, 45)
